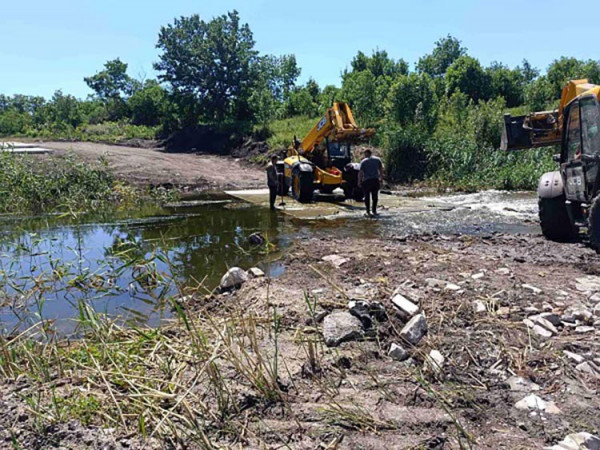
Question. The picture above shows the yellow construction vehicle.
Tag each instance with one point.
(569, 198)
(323, 159)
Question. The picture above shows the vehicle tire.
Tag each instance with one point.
(302, 185)
(554, 219)
(594, 224)
(327, 189)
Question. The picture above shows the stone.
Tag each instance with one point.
(360, 310)
(378, 311)
(548, 308)
(398, 352)
(479, 307)
(596, 311)
(552, 318)
(435, 362)
(590, 368)
(578, 441)
(341, 327)
(583, 315)
(452, 287)
(589, 283)
(533, 289)
(530, 310)
(255, 272)
(503, 271)
(406, 308)
(538, 319)
(520, 384)
(582, 329)
(478, 276)
(503, 311)
(336, 260)
(234, 277)
(256, 239)
(533, 402)
(578, 359)
(415, 329)
(537, 328)
(595, 298)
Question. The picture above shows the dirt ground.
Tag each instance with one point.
(149, 166)
(355, 396)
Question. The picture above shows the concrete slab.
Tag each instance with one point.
(23, 148)
(334, 206)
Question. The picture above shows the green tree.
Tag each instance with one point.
(540, 94)
(466, 75)
(147, 105)
(211, 63)
(112, 82)
(506, 83)
(379, 64)
(445, 52)
(564, 69)
(412, 100)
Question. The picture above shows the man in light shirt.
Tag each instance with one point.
(370, 178)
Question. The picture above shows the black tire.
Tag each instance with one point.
(554, 219)
(302, 185)
(594, 224)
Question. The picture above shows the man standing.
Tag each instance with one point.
(272, 181)
(369, 178)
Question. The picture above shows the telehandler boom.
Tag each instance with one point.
(569, 200)
(323, 159)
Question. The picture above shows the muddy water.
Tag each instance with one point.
(129, 264)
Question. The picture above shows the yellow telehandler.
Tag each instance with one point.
(569, 198)
(323, 159)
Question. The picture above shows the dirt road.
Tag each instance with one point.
(154, 167)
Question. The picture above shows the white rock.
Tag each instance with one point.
(589, 368)
(435, 362)
(578, 441)
(336, 260)
(589, 283)
(415, 329)
(537, 328)
(452, 287)
(233, 277)
(538, 319)
(407, 308)
(398, 352)
(341, 327)
(531, 288)
(582, 329)
(478, 276)
(595, 298)
(503, 271)
(533, 402)
(552, 318)
(578, 359)
(597, 310)
(255, 272)
(520, 384)
(479, 307)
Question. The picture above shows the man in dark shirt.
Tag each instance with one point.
(272, 181)
(369, 178)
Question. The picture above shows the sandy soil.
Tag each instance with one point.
(149, 166)
(355, 396)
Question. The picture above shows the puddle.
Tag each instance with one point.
(43, 260)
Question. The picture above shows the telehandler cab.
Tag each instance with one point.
(569, 198)
(323, 159)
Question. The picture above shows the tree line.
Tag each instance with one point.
(210, 73)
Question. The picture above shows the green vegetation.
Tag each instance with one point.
(443, 116)
(59, 184)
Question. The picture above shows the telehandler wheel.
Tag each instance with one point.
(327, 188)
(554, 219)
(594, 224)
(302, 185)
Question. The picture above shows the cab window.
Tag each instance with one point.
(574, 133)
(590, 126)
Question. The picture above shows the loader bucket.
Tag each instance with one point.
(514, 136)
(539, 129)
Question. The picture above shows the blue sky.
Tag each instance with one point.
(48, 45)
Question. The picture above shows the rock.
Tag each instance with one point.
(406, 308)
(552, 318)
(596, 311)
(530, 310)
(255, 272)
(435, 362)
(336, 260)
(256, 239)
(578, 359)
(520, 384)
(548, 308)
(478, 276)
(398, 352)
(441, 284)
(533, 402)
(582, 314)
(533, 289)
(319, 291)
(503, 271)
(415, 329)
(360, 310)
(378, 311)
(234, 277)
(595, 298)
(537, 328)
(538, 319)
(341, 327)
(452, 287)
(590, 368)
(582, 329)
(589, 283)
(578, 441)
(503, 311)
(479, 307)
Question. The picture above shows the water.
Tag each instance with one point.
(129, 264)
